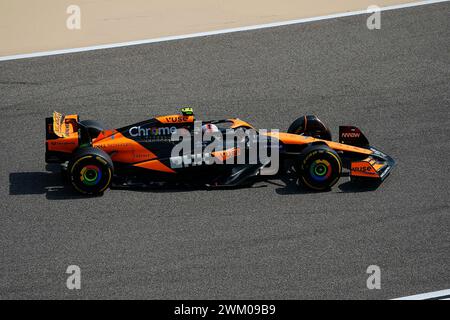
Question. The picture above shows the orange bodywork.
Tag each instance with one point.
(123, 149)
(104, 134)
(63, 136)
(67, 144)
(155, 165)
(226, 154)
(288, 138)
(65, 128)
(363, 169)
(176, 118)
(367, 168)
(240, 123)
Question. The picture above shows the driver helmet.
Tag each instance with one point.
(209, 128)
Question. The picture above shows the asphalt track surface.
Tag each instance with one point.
(272, 241)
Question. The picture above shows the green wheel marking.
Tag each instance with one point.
(320, 170)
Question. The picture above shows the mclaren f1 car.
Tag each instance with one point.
(95, 158)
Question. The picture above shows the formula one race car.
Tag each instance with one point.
(94, 158)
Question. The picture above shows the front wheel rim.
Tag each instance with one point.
(320, 170)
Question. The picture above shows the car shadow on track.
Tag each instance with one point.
(49, 183)
(52, 184)
(355, 187)
(290, 185)
(55, 187)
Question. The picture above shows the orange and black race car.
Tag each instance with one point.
(141, 154)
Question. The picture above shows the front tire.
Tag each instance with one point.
(319, 168)
(90, 171)
(310, 126)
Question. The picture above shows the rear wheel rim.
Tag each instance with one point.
(90, 175)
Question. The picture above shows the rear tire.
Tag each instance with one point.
(94, 127)
(90, 171)
(319, 167)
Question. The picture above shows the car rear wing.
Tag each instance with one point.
(60, 126)
(64, 134)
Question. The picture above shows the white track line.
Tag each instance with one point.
(210, 33)
(426, 296)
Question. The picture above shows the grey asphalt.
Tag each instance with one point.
(272, 241)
